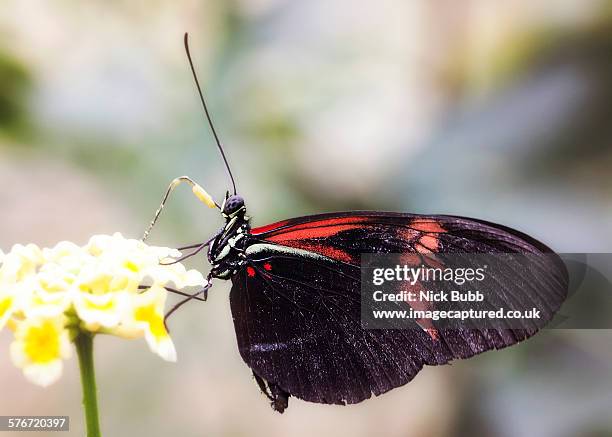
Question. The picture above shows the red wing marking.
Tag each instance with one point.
(424, 232)
(419, 232)
(417, 303)
(422, 249)
(337, 221)
(411, 259)
(423, 305)
(269, 227)
(250, 271)
(430, 242)
(433, 333)
(417, 224)
(426, 225)
(322, 249)
(267, 266)
(309, 233)
(408, 234)
(430, 259)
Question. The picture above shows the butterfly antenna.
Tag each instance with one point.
(210, 123)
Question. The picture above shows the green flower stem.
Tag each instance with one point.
(84, 347)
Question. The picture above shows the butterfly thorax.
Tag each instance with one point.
(226, 253)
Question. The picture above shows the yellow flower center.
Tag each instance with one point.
(101, 306)
(131, 265)
(5, 304)
(104, 284)
(42, 343)
(57, 285)
(156, 322)
(98, 285)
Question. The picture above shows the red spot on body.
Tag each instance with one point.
(250, 271)
(268, 266)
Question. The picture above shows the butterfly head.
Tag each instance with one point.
(233, 206)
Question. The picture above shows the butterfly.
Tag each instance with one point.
(295, 296)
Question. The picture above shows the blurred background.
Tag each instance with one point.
(492, 109)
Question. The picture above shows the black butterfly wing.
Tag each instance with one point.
(299, 328)
(296, 304)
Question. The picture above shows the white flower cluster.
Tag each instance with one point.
(112, 285)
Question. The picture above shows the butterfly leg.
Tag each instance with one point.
(203, 292)
(279, 398)
(262, 385)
